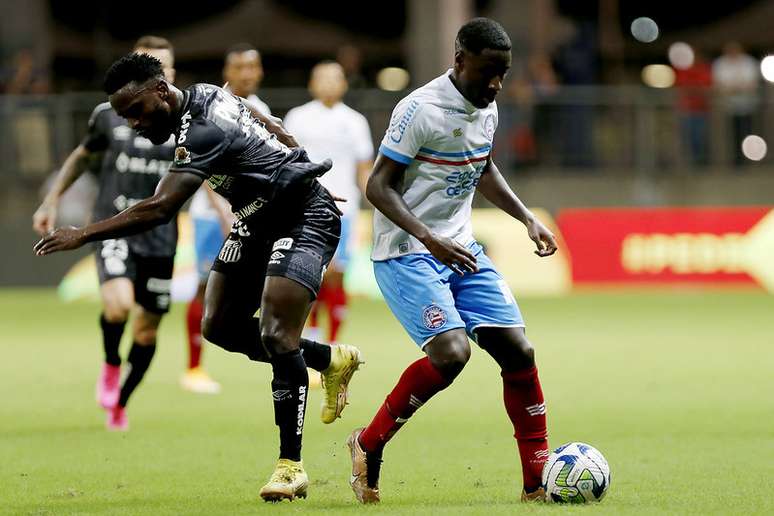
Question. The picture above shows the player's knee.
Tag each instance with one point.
(277, 340)
(116, 312)
(451, 357)
(145, 336)
(522, 350)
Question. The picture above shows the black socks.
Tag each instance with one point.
(289, 390)
(316, 355)
(139, 359)
(111, 338)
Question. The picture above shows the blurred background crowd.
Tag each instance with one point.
(597, 110)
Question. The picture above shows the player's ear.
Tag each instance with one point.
(459, 60)
(162, 88)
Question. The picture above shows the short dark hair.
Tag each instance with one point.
(154, 43)
(240, 48)
(132, 68)
(481, 33)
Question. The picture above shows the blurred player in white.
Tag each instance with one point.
(211, 214)
(328, 128)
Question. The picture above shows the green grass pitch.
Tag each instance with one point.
(675, 388)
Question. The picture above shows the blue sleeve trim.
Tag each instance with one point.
(395, 156)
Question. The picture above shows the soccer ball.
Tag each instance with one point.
(576, 473)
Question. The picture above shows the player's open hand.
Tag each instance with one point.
(543, 238)
(44, 218)
(62, 239)
(451, 254)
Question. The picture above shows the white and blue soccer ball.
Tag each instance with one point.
(576, 473)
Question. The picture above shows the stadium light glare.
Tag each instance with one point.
(754, 147)
(658, 76)
(644, 29)
(681, 55)
(392, 78)
(767, 68)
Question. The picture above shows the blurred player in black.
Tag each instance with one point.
(134, 272)
(286, 232)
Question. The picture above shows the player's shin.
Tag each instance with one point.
(526, 408)
(194, 327)
(289, 392)
(111, 338)
(140, 357)
(418, 383)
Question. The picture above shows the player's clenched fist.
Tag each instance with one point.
(62, 239)
(543, 238)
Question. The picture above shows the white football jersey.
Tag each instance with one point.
(445, 141)
(201, 207)
(339, 133)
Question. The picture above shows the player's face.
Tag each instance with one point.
(146, 109)
(328, 83)
(243, 72)
(480, 77)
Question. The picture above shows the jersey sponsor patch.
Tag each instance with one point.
(231, 252)
(283, 243)
(182, 156)
(434, 317)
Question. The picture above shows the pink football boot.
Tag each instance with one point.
(108, 386)
(117, 420)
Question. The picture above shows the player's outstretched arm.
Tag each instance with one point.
(273, 125)
(494, 187)
(382, 191)
(44, 218)
(172, 192)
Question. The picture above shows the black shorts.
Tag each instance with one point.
(297, 247)
(150, 275)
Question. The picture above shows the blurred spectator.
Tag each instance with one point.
(693, 105)
(243, 71)
(24, 76)
(351, 60)
(735, 75)
(545, 85)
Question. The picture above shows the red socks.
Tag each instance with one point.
(418, 383)
(525, 406)
(335, 300)
(337, 310)
(194, 324)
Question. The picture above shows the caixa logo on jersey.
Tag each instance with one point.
(434, 317)
(398, 125)
(185, 123)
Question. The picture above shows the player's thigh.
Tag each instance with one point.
(417, 290)
(145, 325)
(117, 296)
(484, 300)
(284, 308)
(116, 269)
(235, 283)
(343, 254)
(153, 283)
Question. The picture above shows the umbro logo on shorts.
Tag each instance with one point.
(275, 258)
(280, 395)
